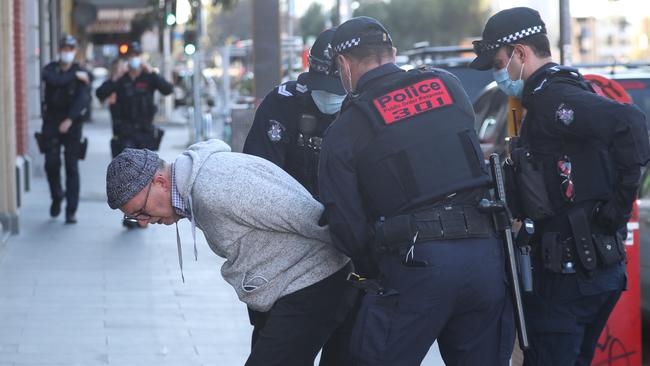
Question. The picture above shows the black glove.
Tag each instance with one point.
(609, 216)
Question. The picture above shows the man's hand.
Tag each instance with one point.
(112, 99)
(64, 126)
(83, 76)
(146, 67)
(119, 71)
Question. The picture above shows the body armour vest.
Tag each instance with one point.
(592, 173)
(425, 146)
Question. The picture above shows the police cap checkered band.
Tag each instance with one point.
(481, 46)
(508, 26)
(360, 31)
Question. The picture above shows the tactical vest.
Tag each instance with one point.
(593, 174)
(424, 147)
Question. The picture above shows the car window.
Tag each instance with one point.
(490, 111)
(639, 90)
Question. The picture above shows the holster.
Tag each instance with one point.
(40, 141)
(436, 223)
(83, 148)
(583, 239)
(116, 146)
(158, 134)
(529, 179)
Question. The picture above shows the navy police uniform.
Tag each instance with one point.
(134, 109)
(577, 283)
(400, 175)
(575, 171)
(288, 130)
(65, 97)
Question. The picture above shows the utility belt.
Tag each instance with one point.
(436, 223)
(583, 251)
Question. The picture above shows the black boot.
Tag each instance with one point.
(55, 208)
(70, 218)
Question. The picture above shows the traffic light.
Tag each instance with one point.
(189, 37)
(124, 49)
(170, 19)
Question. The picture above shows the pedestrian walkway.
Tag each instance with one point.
(96, 293)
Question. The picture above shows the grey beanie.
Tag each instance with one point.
(128, 174)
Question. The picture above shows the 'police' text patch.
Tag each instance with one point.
(412, 100)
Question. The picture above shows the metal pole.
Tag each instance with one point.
(290, 14)
(167, 63)
(565, 33)
(196, 94)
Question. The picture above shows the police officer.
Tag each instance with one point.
(288, 130)
(290, 122)
(134, 108)
(66, 99)
(400, 176)
(130, 92)
(577, 171)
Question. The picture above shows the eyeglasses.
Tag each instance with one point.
(140, 214)
(564, 169)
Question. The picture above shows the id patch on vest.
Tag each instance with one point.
(412, 100)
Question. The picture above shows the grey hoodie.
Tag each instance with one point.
(257, 217)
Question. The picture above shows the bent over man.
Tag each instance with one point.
(263, 222)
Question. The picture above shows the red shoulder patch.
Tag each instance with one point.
(412, 100)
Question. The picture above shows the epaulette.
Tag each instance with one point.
(291, 88)
(560, 73)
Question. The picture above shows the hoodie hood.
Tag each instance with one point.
(192, 159)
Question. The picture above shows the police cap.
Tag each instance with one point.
(322, 74)
(67, 40)
(135, 48)
(505, 27)
(358, 32)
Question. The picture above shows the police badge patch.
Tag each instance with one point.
(275, 131)
(564, 114)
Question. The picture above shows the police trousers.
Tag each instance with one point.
(459, 299)
(71, 143)
(566, 314)
(298, 325)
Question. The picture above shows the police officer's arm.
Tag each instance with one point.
(629, 151)
(162, 85)
(344, 209)
(268, 137)
(81, 101)
(107, 88)
(57, 79)
(574, 113)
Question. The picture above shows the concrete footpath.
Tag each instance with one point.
(96, 293)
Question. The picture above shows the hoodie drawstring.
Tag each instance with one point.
(180, 253)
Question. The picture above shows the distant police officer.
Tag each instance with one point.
(400, 175)
(130, 92)
(134, 108)
(289, 124)
(577, 171)
(288, 130)
(66, 99)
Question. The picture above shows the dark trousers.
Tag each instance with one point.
(71, 144)
(567, 313)
(459, 298)
(298, 325)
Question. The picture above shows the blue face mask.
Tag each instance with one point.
(134, 63)
(512, 88)
(328, 103)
